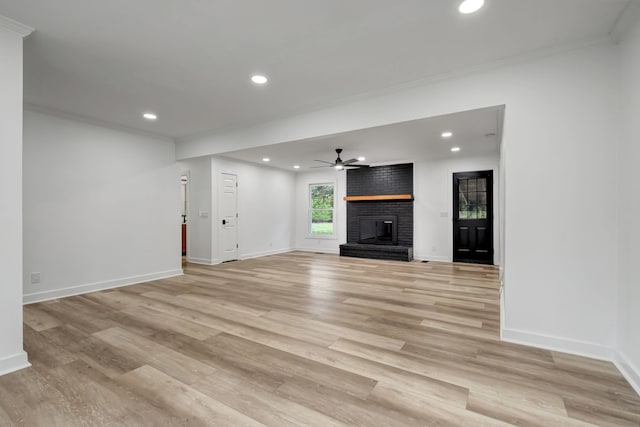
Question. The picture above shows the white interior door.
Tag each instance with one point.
(229, 223)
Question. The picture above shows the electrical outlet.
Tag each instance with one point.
(35, 278)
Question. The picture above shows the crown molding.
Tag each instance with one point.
(93, 122)
(15, 26)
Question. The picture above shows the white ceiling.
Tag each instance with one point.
(415, 140)
(190, 60)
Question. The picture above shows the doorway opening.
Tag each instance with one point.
(473, 217)
(184, 181)
(229, 217)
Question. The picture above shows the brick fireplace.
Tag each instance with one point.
(380, 213)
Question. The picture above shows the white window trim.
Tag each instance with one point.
(333, 236)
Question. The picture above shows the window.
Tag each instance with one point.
(472, 195)
(321, 208)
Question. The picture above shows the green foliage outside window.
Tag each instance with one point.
(322, 209)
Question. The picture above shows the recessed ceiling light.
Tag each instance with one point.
(266, 159)
(149, 116)
(447, 134)
(361, 159)
(296, 166)
(470, 6)
(259, 79)
(455, 149)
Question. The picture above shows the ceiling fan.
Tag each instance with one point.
(339, 164)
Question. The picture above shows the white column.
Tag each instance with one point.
(12, 355)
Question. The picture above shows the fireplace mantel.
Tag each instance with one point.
(378, 197)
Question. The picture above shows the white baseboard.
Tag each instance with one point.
(320, 250)
(579, 348)
(434, 258)
(264, 253)
(628, 370)
(14, 363)
(203, 261)
(98, 286)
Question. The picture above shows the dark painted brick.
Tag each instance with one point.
(380, 180)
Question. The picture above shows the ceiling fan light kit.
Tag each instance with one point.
(340, 164)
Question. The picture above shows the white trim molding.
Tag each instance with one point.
(564, 345)
(15, 26)
(14, 363)
(627, 369)
(435, 258)
(202, 261)
(264, 253)
(320, 250)
(98, 286)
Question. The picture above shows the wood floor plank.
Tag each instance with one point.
(196, 407)
(347, 409)
(434, 412)
(172, 323)
(473, 380)
(39, 320)
(340, 331)
(260, 359)
(268, 408)
(524, 415)
(160, 357)
(301, 339)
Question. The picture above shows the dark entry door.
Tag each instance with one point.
(473, 217)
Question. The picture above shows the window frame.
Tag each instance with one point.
(310, 211)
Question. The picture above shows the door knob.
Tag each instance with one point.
(224, 221)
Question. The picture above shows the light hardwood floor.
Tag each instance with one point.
(301, 339)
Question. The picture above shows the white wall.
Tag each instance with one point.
(12, 356)
(629, 193)
(318, 244)
(199, 209)
(560, 228)
(266, 198)
(433, 189)
(101, 207)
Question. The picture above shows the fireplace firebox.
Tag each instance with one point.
(378, 230)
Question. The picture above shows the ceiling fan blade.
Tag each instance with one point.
(357, 166)
(346, 162)
(323, 166)
(322, 161)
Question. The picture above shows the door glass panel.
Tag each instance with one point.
(482, 212)
(472, 198)
(463, 202)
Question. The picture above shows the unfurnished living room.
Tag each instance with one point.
(354, 213)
